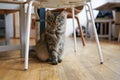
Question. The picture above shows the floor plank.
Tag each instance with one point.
(83, 65)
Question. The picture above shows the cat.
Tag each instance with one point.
(41, 48)
(51, 45)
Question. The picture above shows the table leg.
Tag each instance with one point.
(7, 28)
(22, 29)
(110, 26)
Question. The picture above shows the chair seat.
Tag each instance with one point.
(61, 1)
(12, 2)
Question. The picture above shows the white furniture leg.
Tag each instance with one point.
(110, 26)
(28, 34)
(119, 36)
(74, 31)
(22, 30)
(7, 30)
(96, 36)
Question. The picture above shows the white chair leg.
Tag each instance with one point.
(119, 37)
(96, 36)
(28, 34)
(74, 32)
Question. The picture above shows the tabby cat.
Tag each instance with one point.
(51, 45)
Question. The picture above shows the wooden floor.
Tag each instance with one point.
(84, 65)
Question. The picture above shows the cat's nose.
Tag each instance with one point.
(56, 23)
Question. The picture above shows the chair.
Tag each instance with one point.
(104, 27)
(58, 4)
(7, 7)
(103, 23)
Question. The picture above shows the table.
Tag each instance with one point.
(110, 5)
(7, 7)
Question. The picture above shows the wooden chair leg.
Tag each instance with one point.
(81, 32)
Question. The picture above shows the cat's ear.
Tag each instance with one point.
(64, 13)
(48, 12)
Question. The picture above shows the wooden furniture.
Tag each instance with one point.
(103, 25)
(58, 4)
(7, 7)
(110, 5)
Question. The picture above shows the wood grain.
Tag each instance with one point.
(81, 66)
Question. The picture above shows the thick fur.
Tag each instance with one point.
(51, 44)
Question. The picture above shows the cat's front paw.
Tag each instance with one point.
(54, 62)
(59, 60)
(49, 60)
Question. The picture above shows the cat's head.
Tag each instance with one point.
(55, 19)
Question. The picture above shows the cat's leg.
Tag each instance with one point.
(59, 59)
(49, 59)
(60, 52)
(54, 57)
